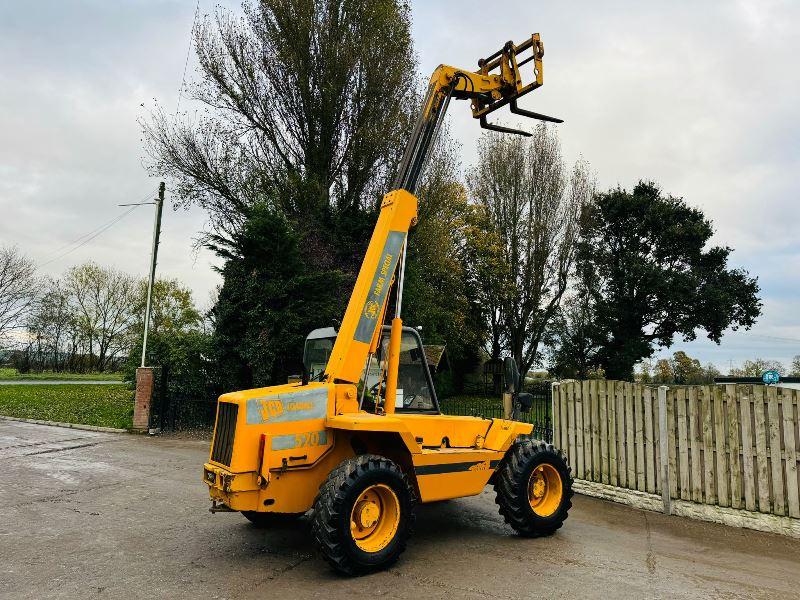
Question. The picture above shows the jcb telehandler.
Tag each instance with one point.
(362, 441)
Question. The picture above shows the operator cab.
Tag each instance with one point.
(415, 391)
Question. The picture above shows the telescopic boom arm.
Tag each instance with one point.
(496, 83)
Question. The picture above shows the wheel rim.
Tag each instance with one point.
(375, 518)
(545, 490)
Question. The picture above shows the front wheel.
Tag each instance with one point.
(534, 488)
(363, 515)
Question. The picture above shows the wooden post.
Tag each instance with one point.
(663, 432)
(555, 411)
(507, 408)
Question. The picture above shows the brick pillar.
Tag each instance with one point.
(144, 395)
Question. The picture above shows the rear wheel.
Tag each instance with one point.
(363, 515)
(267, 519)
(534, 488)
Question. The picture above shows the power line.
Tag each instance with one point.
(92, 237)
(78, 239)
(93, 234)
(772, 337)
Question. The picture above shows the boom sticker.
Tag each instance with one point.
(380, 286)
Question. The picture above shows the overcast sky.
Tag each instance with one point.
(701, 97)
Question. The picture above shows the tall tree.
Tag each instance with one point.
(655, 278)
(436, 265)
(307, 105)
(17, 290)
(530, 203)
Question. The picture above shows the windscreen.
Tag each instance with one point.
(413, 392)
(316, 355)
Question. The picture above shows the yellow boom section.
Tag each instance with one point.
(497, 83)
(364, 315)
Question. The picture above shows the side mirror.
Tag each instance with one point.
(525, 401)
(511, 375)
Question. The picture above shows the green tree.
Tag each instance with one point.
(654, 277)
(686, 370)
(795, 368)
(178, 345)
(756, 368)
(268, 303)
(173, 309)
(436, 267)
(572, 347)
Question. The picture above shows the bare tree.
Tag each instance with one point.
(105, 302)
(18, 286)
(49, 325)
(531, 202)
(306, 104)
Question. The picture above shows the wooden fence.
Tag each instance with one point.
(733, 446)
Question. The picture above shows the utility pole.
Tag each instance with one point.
(153, 259)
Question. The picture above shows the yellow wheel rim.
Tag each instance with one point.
(545, 490)
(375, 518)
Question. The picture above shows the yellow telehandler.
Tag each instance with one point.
(361, 441)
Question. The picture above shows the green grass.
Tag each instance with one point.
(9, 374)
(101, 405)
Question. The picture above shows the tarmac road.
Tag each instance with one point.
(88, 514)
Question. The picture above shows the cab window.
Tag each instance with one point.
(413, 388)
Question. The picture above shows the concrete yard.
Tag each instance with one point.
(90, 514)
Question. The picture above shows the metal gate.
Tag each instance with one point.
(177, 407)
(491, 407)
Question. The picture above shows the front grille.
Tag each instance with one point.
(222, 449)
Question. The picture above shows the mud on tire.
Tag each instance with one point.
(335, 506)
(513, 486)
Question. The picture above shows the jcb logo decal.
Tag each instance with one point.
(294, 406)
(371, 310)
(271, 409)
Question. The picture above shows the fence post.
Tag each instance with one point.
(663, 432)
(507, 405)
(555, 417)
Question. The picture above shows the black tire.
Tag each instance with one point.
(334, 506)
(268, 519)
(511, 486)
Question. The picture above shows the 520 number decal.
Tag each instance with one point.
(307, 439)
(310, 438)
